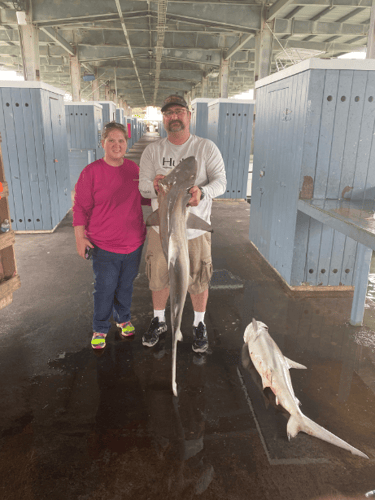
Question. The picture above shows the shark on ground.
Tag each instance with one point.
(173, 219)
(273, 367)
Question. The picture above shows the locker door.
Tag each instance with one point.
(59, 161)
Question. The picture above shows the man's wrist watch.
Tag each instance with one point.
(202, 193)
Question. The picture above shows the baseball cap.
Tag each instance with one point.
(174, 99)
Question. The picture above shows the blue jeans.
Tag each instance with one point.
(113, 288)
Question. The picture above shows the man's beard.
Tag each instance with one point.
(174, 122)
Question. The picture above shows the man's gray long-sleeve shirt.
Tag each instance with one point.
(161, 156)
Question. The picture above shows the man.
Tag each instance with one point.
(157, 161)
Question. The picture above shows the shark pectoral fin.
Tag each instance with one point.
(293, 364)
(195, 222)
(153, 219)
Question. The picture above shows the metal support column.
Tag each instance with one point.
(95, 87)
(257, 60)
(75, 77)
(256, 78)
(370, 53)
(107, 91)
(265, 46)
(120, 104)
(204, 86)
(29, 42)
(187, 97)
(224, 78)
(192, 93)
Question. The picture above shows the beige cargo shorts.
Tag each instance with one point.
(200, 263)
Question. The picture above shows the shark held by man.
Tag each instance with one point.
(273, 367)
(173, 219)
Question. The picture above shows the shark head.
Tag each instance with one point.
(183, 176)
(253, 330)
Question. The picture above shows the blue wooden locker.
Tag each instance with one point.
(130, 135)
(199, 116)
(313, 140)
(120, 115)
(35, 153)
(230, 124)
(162, 131)
(84, 124)
(109, 111)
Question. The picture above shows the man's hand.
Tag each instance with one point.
(158, 178)
(196, 194)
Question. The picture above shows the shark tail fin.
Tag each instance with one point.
(195, 222)
(176, 337)
(153, 219)
(301, 423)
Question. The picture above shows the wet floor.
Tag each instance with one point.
(78, 425)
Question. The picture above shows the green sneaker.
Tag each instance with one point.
(98, 340)
(127, 329)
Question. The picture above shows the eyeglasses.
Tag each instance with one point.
(177, 112)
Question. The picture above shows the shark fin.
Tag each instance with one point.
(293, 364)
(153, 219)
(255, 327)
(301, 423)
(195, 222)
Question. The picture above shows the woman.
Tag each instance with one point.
(107, 217)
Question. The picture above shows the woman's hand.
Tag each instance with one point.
(81, 241)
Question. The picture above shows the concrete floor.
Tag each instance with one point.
(77, 425)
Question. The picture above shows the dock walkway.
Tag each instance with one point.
(86, 426)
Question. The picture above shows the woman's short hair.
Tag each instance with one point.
(114, 126)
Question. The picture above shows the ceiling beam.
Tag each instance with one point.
(334, 3)
(129, 46)
(276, 7)
(91, 19)
(65, 45)
(212, 24)
(59, 40)
(237, 46)
(299, 27)
(322, 46)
